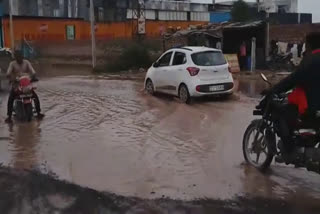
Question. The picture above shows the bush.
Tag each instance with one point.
(134, 57)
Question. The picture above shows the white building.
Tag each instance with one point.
(282, 6)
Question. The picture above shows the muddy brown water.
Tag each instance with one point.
(108, 135)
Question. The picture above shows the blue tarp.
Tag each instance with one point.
(220, 17)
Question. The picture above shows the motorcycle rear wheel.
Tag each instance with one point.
(255, 142)
(28, 109)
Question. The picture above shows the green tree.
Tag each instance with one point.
(240, 11)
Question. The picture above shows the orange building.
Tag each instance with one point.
(61, 29)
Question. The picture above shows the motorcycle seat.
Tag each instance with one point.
(310, 123)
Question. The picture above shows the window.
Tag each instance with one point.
(100, 14)
(76, 8)
(56, 13)
(40, 8)
(61, 8)
(282, 8)
(165, 60)
(179, 58)
(208, 58)
(69, 9)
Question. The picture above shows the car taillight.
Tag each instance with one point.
(229, 68)
(193, 71)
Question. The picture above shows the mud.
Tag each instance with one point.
(104, 133)
(26, 192)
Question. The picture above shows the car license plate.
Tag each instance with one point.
(217, 88)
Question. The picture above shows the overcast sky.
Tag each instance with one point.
(305, 6)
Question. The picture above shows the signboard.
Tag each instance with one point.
(233, 62)
(70, 32)
(43, 28)
(141, 26)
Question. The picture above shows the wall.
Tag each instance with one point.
(40, 29)
(49, 29)
(287, 18)
(292, 33)
(220, 17)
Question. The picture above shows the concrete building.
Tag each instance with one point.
(279, 6)
(45, 8)
(271, 6)
(280, 11)
(179, 5)
(181, 10)
(113, 10)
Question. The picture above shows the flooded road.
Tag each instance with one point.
(108, 135)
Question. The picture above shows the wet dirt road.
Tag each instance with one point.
(108, 135)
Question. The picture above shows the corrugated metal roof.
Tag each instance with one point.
(214, 30)
(243, 25)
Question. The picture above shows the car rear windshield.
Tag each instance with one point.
(208, 58)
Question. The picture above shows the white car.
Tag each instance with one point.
(190, 72)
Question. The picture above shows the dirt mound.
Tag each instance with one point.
(30, 192)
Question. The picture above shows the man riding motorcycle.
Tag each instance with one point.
(18, 68)
(307, 80)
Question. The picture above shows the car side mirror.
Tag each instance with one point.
(156, 64)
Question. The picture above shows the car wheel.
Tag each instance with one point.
(149, 87)
(184, 94)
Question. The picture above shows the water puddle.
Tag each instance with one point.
(108, 135)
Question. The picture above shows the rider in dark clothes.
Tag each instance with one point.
(306, 77)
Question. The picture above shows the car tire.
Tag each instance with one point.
(184, 94)
(149, 87)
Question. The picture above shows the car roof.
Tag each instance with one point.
(196, 48)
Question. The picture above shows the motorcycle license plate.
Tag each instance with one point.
(216, 88)
(27, 101)
(23, 96)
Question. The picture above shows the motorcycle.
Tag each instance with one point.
(281, 62)
(261, 141)
(23, 103)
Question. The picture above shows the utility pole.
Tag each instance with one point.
(11, 26)
(138, 19)
(267, 35)
(93, 34)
